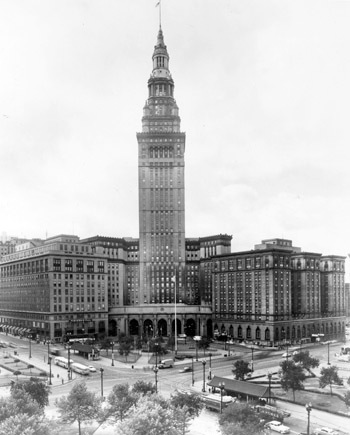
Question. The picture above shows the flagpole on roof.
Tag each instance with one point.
(175, 317)
(159, 3)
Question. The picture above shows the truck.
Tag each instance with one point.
(166, 364)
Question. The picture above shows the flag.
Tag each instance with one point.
(158, 3)
(173, 278)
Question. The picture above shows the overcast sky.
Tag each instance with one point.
(263, 91)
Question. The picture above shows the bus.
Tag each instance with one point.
(215, 402)
(272, 411)
(80, 368)
(62, 361)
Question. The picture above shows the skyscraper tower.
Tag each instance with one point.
(161, 150)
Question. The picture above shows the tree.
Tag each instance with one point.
(242, 429)
(120, 400)
(347, 399)
(292, 377)
(241, 369)
(125, 344)
(191, 401)
(306, 361)
(106, 344)
(79, 406)
(20, 402)
(36, 388)
(329, 376)
(239, 414)
(151, 416)
(204, 343)
(143, 388)
(21, 424)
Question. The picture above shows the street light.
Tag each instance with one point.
(101, 370)
(156, 377)
(156, 346)
(328, 352)
(209, 374)
(269, 375)
(204, 363)
(192, 372)
(30, 345)
(252, 359)
(49, 362)
(308, 409)
(112, 344)
(221, 386)
(196, 350)
(69, 373)
(48, 349)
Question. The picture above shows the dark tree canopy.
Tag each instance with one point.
(306, 361)
(239, 415)
(143, 388)
(193, 402)
(292, 376)
(329, 376)
(241, 369)
(36, 388)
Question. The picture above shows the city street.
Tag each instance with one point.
(171, 379)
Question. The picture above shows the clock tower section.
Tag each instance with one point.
(161, 150)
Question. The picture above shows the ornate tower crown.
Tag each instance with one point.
(160, 112)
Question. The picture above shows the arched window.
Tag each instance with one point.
(267, 334)
(257, 333)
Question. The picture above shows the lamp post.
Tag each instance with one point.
(156, 346)
(221, 386)
(252, 359)
(209, 374)
(30, 345)
(112, 344)
(308, 410)
(101, 370)
(156, 377)
(196, 350)
(269, 375)
(48, 349)
(49, 362)
(68, 348)
(192, 372)
(204, 363)
(328, 352)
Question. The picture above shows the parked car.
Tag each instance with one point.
(92, 368)
(277, 426)
(325, 431)
(185, 369)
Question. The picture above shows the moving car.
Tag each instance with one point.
(277, 426)
(92, 368)
(325, 431)
(185, 369)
